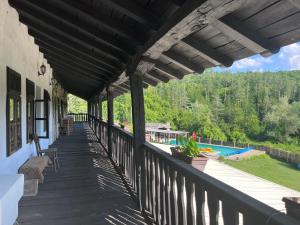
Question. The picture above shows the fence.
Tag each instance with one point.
(287, 156)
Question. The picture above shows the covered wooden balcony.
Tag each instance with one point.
(99, 50)
(97, 186)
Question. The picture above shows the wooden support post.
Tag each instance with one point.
(89, 111)
(138, 117)
(100, 107)
(110, 119)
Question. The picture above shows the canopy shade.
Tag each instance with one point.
(94, 44)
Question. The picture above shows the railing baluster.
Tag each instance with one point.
(153, 187)
(190, 203)
(181, 200)
(213, 206)
(163, 192)
(149, 182)
(200, 201)
(230, 214)
(174, 205)
(168, 194)
(157, 186)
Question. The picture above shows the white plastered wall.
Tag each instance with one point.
(19, 52)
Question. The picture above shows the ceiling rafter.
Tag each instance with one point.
(250, 39)
(182, 62)
(206, 52)
(149, 76)
(158, 76)
(82, 79)
(149, 81)
(74, 46)
(41, 38)
(73, 38)
(73, 63)
(59, 16)
(64, 54)
(54, 63)
(88, 12)
(136, 12)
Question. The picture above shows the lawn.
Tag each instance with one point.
(270, 169)
(291, 147)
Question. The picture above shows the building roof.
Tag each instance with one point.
(91, 45)
(157, 126)
(166, 131)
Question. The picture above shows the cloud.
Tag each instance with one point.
(247, 63)
(287, 59)
(291, 54)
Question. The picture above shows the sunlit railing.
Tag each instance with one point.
(79, 117)
(176, 193)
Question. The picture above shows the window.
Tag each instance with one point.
(13, 112)
(30, 92)
(42, 116)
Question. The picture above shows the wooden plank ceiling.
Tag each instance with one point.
(93, 44)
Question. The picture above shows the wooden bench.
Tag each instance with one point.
(33, 168)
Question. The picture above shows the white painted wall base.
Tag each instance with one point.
(11, 191)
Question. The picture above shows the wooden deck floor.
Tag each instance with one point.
(85, 191)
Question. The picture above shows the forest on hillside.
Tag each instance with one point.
(224, 106)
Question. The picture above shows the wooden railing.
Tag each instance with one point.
(123, 155)
(173, 192)
(79, 117)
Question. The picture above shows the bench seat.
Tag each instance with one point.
(34, 167)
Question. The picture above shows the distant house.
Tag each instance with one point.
(158, 126)
(162, 133)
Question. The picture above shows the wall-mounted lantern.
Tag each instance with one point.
(42, 70)
(53, 82)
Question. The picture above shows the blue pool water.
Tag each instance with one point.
(221, 150)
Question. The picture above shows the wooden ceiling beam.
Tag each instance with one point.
(170, 72)
(250, 39)
(121, 88)
(206, 52)
(79, 78)
(74, 38)
(182, 62)
(135, 12)
(147, 75)
(81, 10)
(48, 10)
(41, 38)
(66, 55)
(72, 88)
(295, 3)
(78, 48)
(54, 63)
(73, 63)
(149, 81)
(158, 76)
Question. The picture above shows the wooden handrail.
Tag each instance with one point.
(176, 192)
(254, 211)
(79, 117)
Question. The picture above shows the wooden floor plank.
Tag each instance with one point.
(85, 190)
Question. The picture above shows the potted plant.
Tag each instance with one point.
(188, 151)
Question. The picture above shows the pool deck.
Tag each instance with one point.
(263, 190)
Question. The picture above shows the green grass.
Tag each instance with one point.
(291, 147)
(270, 169)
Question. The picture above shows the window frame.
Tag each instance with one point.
(30, 119)
(45, 118)
(14, 126)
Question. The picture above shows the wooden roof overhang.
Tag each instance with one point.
(95, 44)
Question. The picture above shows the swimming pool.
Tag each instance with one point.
(221, 150)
